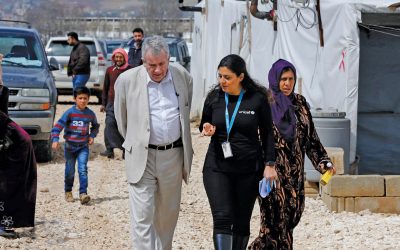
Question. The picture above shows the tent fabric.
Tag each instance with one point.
(328, 75)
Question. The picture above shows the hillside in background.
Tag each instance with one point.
(112, 8)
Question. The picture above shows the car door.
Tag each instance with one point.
(60, 50)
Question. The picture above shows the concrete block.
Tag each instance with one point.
(311, 189)
(356, 185)
(340, 204)
(378, 204)
(392, 184)
(349, 204)
(337, 157)
(330, 202)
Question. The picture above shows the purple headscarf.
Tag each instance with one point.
(282, 109)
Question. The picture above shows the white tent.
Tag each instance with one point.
(327, 76)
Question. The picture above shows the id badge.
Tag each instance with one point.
(226, 148)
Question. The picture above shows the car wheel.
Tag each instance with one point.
(43, 151)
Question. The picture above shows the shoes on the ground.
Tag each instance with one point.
(84, 198)
(69, 197)
(108, 154)
(8, 233)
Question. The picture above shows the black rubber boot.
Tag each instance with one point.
(222, 242)
(109, 153)
(239, 242)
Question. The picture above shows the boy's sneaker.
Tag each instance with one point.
(69, 197)
(84, 198)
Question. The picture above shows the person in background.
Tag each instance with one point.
(295, 135)
(152, 109)
(3, 90)
(79, 61)
(237, 116)
(81, 128)
(18, 174)
(112, 138)
(135, 48)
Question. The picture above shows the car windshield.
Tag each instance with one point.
(111, 46)
(62, 48)
(173, 51)
(21, 50)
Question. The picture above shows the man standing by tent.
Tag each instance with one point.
(79, 61)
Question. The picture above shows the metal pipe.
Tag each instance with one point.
(189, 8)
(260, 14)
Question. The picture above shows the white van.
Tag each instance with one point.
(58, 48)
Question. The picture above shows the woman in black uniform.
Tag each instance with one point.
(237, 116)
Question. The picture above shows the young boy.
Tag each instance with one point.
(77, 135)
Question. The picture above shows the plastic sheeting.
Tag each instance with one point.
(329, 74)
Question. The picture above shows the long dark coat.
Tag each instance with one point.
(18, 176)
(281, 210)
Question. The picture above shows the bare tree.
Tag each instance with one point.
(47, 18)
(157, 10)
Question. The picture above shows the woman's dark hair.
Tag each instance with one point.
(237, 65)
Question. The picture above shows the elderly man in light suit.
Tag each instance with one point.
(152, 107)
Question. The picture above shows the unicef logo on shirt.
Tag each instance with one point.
(247, 112)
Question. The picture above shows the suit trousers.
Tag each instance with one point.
(155, 200)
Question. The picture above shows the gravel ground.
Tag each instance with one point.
(104, 223)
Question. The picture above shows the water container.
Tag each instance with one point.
(334, 131)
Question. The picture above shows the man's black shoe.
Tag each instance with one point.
(108, 154)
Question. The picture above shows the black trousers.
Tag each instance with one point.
(232, 197)
(112, 137)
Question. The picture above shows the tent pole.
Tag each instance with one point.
(275, 5)
(320, 28)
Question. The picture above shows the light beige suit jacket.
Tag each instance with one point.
(131, 107)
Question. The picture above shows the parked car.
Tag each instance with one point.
(104, 50)
(33, 95)
(58, 48)
(178, 51)
(111, 45)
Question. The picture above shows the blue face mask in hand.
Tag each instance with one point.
(265, 187)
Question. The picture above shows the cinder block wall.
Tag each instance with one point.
(354, 193)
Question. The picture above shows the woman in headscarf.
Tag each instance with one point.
(17, 172)
(295, 136)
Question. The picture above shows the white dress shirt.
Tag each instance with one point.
(165, 126)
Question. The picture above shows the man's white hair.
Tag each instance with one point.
(155, 44)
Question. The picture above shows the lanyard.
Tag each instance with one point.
(229, 124)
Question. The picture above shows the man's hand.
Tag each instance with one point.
(91, 140)
(1, 57)
(102, 109)
(208, 129)
(55, 145)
